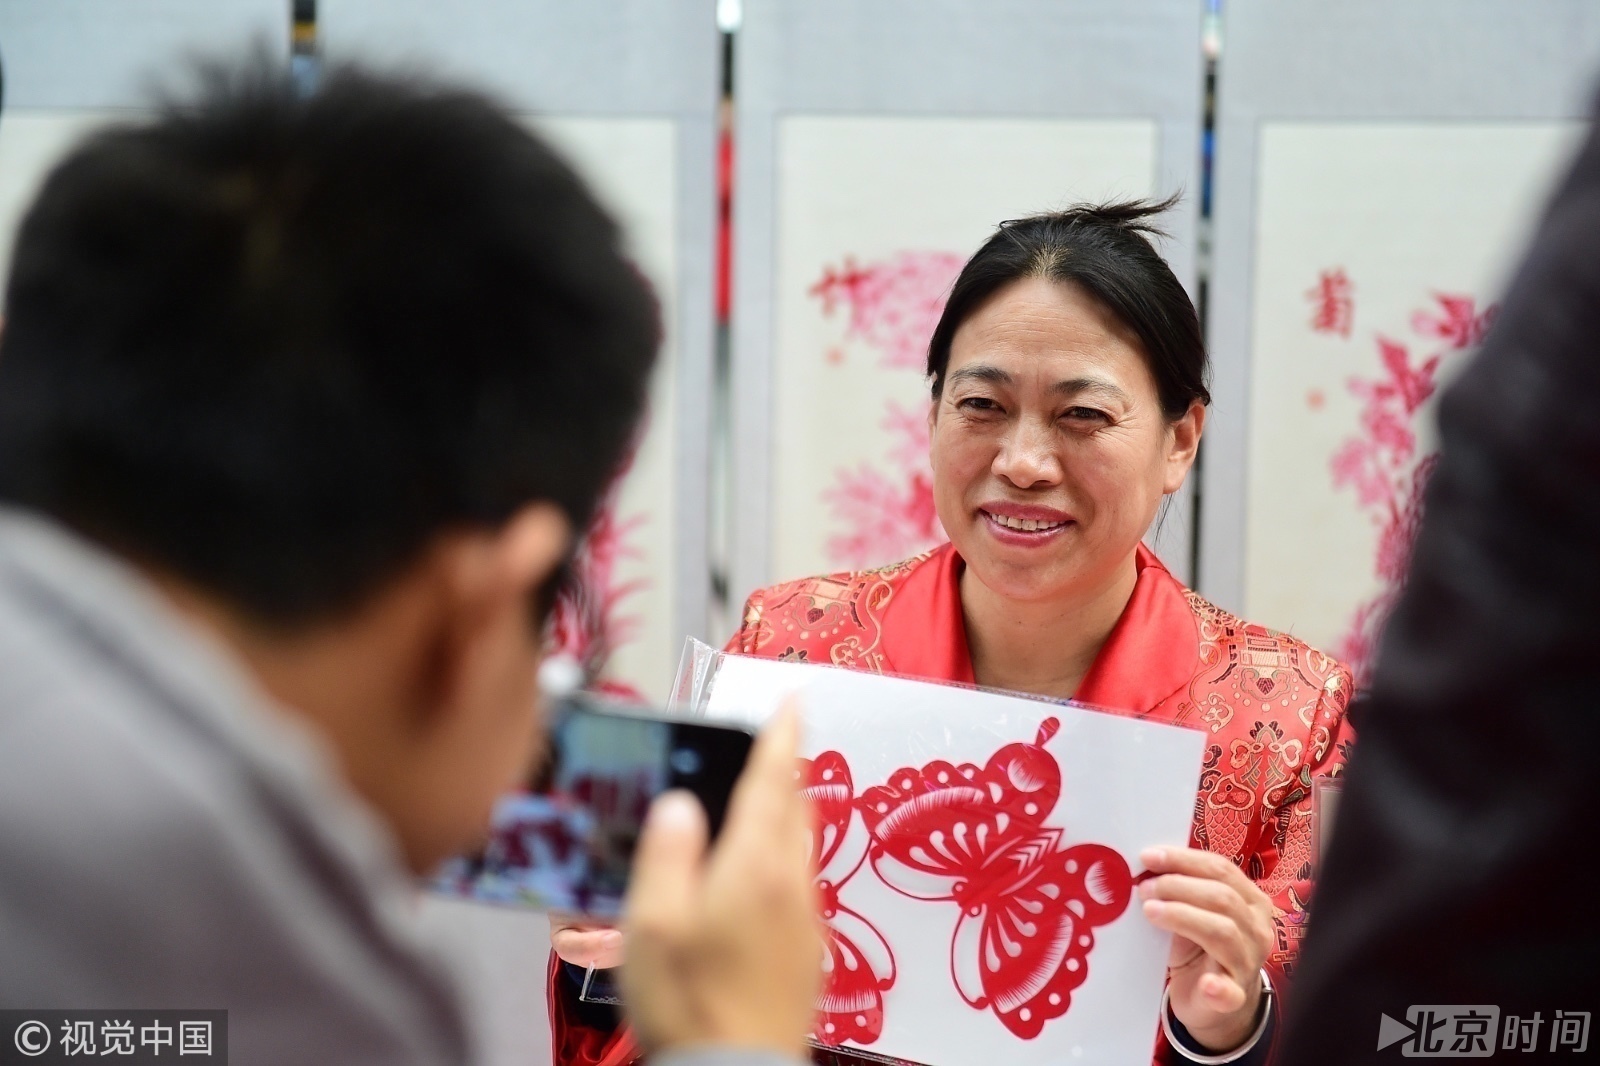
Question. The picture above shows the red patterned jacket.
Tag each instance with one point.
(1273, 709)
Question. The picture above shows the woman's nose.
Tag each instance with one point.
(1028, 458)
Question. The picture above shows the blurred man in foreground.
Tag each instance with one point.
(301, 404)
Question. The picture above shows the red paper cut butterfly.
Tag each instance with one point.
(976, 836)
(860, 965)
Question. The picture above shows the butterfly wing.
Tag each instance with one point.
(947, 821)
(1023, 946)
(859, 968)
(826, 784)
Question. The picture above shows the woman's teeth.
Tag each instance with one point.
(1025, 525)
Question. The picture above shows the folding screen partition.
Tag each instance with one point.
(1378, 168)
(72, 64)
(628, 90)
(878, 145)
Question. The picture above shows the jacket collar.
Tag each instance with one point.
(1149, 655)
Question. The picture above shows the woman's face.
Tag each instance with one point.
(1051, 453)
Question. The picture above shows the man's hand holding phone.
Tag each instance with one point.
(725, 949)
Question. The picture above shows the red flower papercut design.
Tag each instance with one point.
(589, 623)
(1333, 303)
(976, 836)
(895, 304)
(1380, 463)
(886, 509)
(1457, 321)
(887, 516)
(860, 965)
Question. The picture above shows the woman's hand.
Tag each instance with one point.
(585, 943)
(1222, 932)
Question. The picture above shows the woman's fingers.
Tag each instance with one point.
(1217, 934)
(1202, 892)
(600, 948)
(1197, 863)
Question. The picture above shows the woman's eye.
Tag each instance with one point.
(978, 403)
(1086, 414)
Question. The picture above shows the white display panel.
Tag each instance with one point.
(631, 163)
(883, 142)
(1361, 136)
(1381, 248)
(875, 217)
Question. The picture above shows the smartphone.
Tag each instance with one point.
(566, 842)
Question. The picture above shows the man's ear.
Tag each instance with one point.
(489, 579)
(1183, 443)
(531, 547)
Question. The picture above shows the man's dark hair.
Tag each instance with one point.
(1105, 249)
(276, 343)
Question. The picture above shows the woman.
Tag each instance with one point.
(1068, 377)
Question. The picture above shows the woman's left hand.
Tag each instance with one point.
(1222, 932)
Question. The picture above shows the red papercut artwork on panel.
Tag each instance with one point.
(975, 836)
(886, 509)
(1333, 303)
(1380, 463)
(589, 622)
(894, 305)
(859, 965)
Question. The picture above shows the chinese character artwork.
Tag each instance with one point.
(1333, 303)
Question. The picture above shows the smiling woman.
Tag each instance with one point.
(1068, 377)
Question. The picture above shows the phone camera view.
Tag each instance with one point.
(567, 843)
(569, 848)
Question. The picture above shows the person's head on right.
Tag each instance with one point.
(344, 373)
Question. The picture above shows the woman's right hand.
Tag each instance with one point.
(585, 943)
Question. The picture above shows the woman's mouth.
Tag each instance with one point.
(1017, 525)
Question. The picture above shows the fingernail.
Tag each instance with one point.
(1153, 856)
(673, 810)
(1146, 889)
(611, 940)
(1152, 907)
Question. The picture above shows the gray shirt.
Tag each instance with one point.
(169, 839)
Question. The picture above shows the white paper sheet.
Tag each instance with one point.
(1125, 783)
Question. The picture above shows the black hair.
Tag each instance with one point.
(276, 343)
(1106, 250)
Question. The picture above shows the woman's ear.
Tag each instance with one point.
(1183, 443)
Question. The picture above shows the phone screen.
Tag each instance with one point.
(566, 843)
